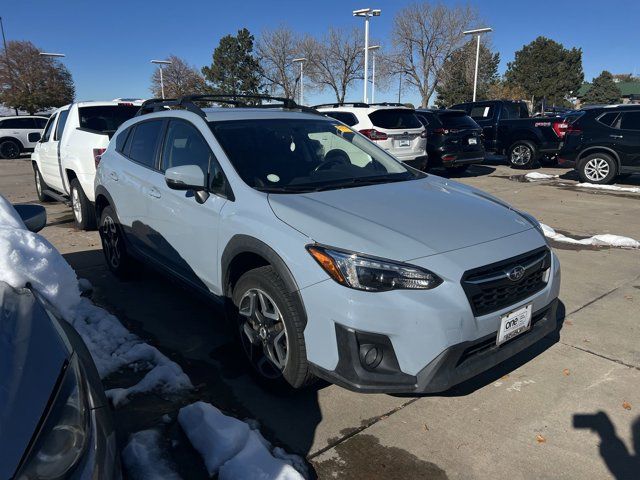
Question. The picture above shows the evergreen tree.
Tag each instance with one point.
(458, 72)
(603, 90)
(546, 70)
(234, 69)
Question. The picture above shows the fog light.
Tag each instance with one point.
(370, 355)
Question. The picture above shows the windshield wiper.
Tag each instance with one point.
(360, 181)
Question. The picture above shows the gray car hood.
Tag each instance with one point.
(32, 356)
(402, 220)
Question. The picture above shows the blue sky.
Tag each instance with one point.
(109, 43)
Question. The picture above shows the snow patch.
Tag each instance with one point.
(233, 449)
(534, 176)
(612, 188)
(144, 458)
(602, 240)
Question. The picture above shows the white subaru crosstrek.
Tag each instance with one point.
(335, 259)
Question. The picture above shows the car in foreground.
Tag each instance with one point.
(603, 142)
(17, 134)
(334, 259)
(392, 126)
(508, 129)
(68, 151)
(454, 139)
(54, 416)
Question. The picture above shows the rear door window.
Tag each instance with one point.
(482, 112)
(19, 123)
(395, 119)
(143, 142)
(347, 118)
(105, 119)
(608, 119)
(61, 123)
(40, 122)
(630, 121)
(47, 131)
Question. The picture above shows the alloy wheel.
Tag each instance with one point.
(263, 333)
(38, 184)
(9, 150)
(520, 155)
(77, 206)
(111, 241)
(596, 169)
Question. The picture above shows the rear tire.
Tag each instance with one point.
(10, 149)
(83, 211)
(271, 329)
(598, 168)
(522, 154)
(113, 246)
(40, 185)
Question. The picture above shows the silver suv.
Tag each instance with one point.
(333, 258)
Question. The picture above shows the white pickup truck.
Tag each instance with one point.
(65, 158)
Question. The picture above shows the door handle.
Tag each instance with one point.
(615, 136)
(114, 176)
(154, 192)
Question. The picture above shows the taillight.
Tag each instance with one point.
(424, 133)
(97, 155)
(373, 134)
(441, 131)
(562, 128)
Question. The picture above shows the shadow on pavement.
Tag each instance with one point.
(472, 171)
(622, 463)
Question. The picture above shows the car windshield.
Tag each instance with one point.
(293, 155)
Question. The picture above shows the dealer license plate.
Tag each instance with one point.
(473, 141)
(514, 323)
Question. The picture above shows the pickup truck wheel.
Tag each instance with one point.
(9, 149)
(270, 328)
(113, 246)
(40, 186)
(522, 154)
(83, 211)
(598, 168)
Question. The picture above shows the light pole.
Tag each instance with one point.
(366, 13)
(160, 63)
(478, 32)
(52, 55)
(301, 61)
(373, 49)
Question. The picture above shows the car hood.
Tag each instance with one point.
(402, 220)
(32, 357)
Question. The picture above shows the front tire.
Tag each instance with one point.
(598, 168)
(10, 149)
(522, 154)
(113, 246)
(271, 329)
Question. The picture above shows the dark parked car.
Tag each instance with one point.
(603, 142)
(509, 130)
(55, 422)
(454, 139)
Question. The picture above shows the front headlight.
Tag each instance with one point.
(64, 434)
(370, 273)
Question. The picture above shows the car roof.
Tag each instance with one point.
(104, 103)
(247, 113)
(360, 107)
(23, 116)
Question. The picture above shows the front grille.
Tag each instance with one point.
(489, 288)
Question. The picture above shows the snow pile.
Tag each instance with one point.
(233, 449)
(603, 240)
(28, 258)
(612, 188)
(143, 458)
(533, 176)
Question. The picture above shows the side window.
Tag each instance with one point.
(143, 142)
(18, 123)
(184, 145)
(40, 122)
(344, 117)
(608, 119)
(481, 112)
(121, 139)
(61, 123)
(630, 121)
(48, 128)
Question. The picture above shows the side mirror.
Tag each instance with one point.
(34, 137)
(185, 177)
(33, 216)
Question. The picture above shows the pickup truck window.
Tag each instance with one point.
(61, 123)
(48, 128)
(107, 118)
(482, 112)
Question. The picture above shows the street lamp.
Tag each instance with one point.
(478, 32)
(52, 55)
(160, 63)
(373, 49)
(366, 13)
(301, 61)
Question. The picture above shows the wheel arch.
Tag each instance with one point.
(599, 149)
(103, 199)
(8, 137)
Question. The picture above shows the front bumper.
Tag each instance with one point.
(430, 340)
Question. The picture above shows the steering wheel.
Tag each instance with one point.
(333, 157)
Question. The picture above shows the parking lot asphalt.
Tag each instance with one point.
(568, 407)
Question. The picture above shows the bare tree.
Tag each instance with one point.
(276, 50)
(424, 36)
(179, 78)
(335, 61)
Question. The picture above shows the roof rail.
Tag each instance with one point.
(187, 102)
(388, 104)
(342, 104)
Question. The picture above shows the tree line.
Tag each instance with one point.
(427, 52)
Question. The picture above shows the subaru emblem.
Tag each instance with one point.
(516, 273)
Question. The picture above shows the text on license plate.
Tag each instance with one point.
(473, 141)
(404, 142)
(514, 323)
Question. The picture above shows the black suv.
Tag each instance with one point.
(454, 139)
(603, 142)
